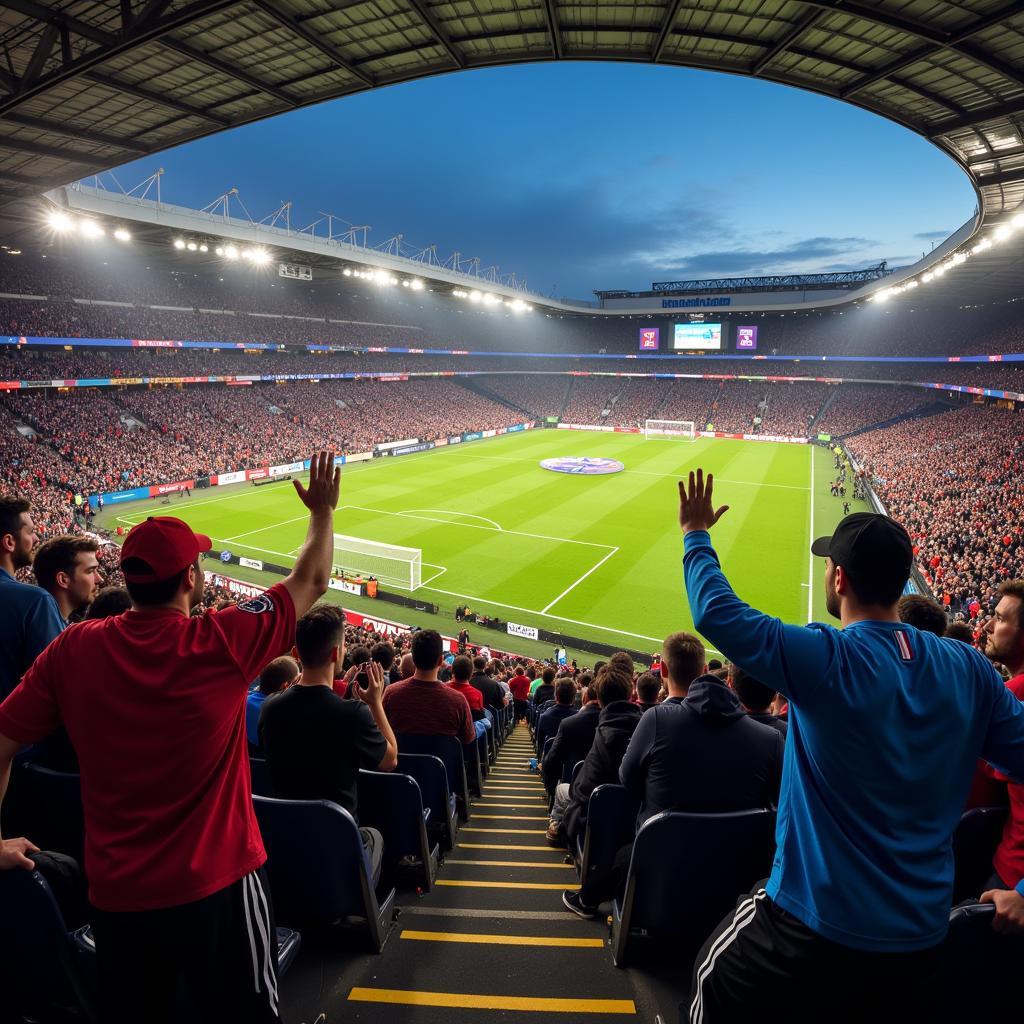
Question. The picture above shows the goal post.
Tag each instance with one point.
(389, 563)
(670, 430)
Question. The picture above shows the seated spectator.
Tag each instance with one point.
(421, 704)
(960, 631)
(108, 602)
(648, 691)
(491, 690)
(546, 690)
(699, 751)
(30, 615)
(519, 685)
(277, 676)
(462, 669)
(572, 744)
(315, 742)
(67, 568)
(922, 613)
(384, 654)
(615, 726)
(547, 726)
(756, 698)
(406, 667)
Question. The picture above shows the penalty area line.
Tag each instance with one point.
(572, 586)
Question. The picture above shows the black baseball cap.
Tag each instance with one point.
(872, 548)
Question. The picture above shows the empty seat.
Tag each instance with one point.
(430, 773)
(611, 825)
(725, 854)
(393, 804)
(449, 750)
(318, 869)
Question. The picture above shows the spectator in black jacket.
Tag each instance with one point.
(756, 699)
(546, 690)
(572, 744)
(492, 691)
(618, 719)
(699, 751)
(547, 725)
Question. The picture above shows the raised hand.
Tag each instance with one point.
(324, 487)
(373, 692)
(696, 511)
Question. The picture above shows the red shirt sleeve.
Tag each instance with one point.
(30, 711)
(258, 630)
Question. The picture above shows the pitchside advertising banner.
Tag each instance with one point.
(250, 563)
(530, 632)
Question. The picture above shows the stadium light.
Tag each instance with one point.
(1018, 220)
(122, 235)
(416, 284)
(191, 246)
(60, 221)
(1003, 232)
(475, 296)
(259, 256)
(90, 229)
(179, 243)
(347, 272)
(203, 247)
(928, 277)
(231, 252)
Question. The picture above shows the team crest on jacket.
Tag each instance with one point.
(256, 605)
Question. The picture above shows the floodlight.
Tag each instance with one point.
(231, 252)
(1003, 232)
(1018, 220)
(203, 247)
(122, 235)
(60, 221)
(191, 246)
(490, 298)
(219, 251)
(260, 257)
(347, 272)
(179, 243)
(90, 229)
(416, 285)
(475, 296)
(928, 277)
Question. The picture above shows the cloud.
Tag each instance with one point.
(933, 236)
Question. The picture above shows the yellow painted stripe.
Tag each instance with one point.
(504, 940)
(526, 786)
(503, 846)
(507, 831)
(511, 817)
(509, 800)
(503, 885)
(467, 1001)
(510, 863)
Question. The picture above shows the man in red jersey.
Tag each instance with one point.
(154, 703)
(519, 684)
(1004, 643)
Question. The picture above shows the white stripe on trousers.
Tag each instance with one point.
(745, 913)
(256, 908)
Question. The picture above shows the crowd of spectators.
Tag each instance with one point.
(859, 405)
(956, 481)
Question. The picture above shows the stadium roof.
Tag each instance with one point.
(90, 84)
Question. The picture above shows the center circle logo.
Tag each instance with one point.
(582, 466)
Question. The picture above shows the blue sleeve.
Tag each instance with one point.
(784, 657)
(633, 770)
(42, 624)
(1004, 740)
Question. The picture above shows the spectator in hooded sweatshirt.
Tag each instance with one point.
(619, 718)
(547, 726)
(699, 751)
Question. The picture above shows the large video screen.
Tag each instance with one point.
(694, 336)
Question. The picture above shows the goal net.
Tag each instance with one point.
(389, 563)
(670, 430)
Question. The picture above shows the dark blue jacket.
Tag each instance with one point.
(572, 743)
(702, 754)
(548, 723)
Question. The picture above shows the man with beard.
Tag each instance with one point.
(878, 764)
(30, 615)
(1004, 643)
(67, 568)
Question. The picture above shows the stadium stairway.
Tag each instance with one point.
(491, 942)
(477, 388)
(932, 409)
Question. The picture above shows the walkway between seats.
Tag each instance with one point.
(492, 941)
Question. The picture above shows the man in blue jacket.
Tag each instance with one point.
(885, 726)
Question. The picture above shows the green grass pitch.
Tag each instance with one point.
(597, 557)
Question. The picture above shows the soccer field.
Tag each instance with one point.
(598, 557)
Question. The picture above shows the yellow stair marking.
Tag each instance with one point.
(467, 1001)
(504, 940)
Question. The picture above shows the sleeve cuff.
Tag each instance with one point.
(696, 539)
(1020, 887)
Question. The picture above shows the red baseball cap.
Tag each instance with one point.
(165, 545)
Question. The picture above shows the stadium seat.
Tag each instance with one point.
(474, 767)
(55, 810)
(429, 772)
(974, 843)
(259, 772)
(449, 750)
(725, 854)
(41, 967)
(611, 825)
(318, 869)
(392, 804)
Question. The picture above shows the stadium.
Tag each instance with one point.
(515, 470)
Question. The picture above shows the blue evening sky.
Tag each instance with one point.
(583, 176)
